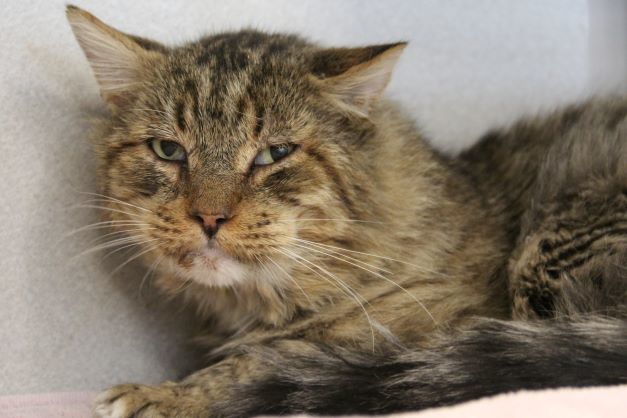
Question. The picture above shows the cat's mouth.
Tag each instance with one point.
(209, 256)
(212, 266)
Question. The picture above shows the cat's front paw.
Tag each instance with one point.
(137, 401)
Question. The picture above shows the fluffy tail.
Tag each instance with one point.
(584, 344)
(493, 357)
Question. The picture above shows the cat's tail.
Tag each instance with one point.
(583, 344)
(490, 358)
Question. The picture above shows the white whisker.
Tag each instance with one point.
(347, 289)
(154, 247)
(372, 255)
(343, 256)
(106, 224)
(122, 233)
(330, 219)
(132, 244)
(150, 110)
(106, 208)
(411, 295)
(113, 199)
(108, 244)
(151, 270)
(290, 277)
(118, 202)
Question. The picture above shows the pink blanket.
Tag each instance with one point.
(605, 402)
(51, 405)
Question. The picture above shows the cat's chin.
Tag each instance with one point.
(211, 266)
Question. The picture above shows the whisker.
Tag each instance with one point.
(151, 270)
(100, 225)
(106, 208)
(331, 219)
(411, 295)
(111, 198)
(290, 277)
(123, 232)
(338, 254)
(185, 284)
(154, 247)
(106, 224)
(269, 272)
(109, 244)
(347, 288)
(132, 244)
(108, 199)
(372, 255)
(150, 110)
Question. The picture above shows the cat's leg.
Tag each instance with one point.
(193, 397)
(573, 257)
(295, 376)
(210, 392)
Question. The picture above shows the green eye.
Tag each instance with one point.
(168, 150)
(273, 154)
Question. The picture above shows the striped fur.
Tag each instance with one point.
(364, 272)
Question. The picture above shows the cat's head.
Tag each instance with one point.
(222, 155)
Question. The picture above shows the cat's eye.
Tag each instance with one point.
(168, 150)
(273, 154)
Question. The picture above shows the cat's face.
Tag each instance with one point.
(221, 155)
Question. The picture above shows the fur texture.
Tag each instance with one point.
(361, 271)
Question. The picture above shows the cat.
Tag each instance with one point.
(343, 265)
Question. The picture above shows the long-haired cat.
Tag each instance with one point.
(341, 264)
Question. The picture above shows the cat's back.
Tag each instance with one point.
(558, 184)
(549, 154)
(585, 131)
(592, 144)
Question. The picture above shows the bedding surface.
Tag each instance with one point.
(609, 402)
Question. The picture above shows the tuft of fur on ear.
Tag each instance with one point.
(356, 77)
(116, 59)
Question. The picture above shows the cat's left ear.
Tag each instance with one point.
(117, 59)
(356, 77)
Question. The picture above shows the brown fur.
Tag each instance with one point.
(402, 241)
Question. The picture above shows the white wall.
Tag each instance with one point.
(65, 324)
(607, 46)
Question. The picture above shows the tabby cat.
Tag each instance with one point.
(341, 264)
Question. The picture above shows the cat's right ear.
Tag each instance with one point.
(116, 59)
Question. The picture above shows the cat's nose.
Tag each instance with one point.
(210, 222)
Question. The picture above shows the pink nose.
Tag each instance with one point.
(210, 222)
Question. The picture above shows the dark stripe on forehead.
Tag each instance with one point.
(190, 87)
(214, 110)
(226, 54)
(259, 120)
(242, 103)
(180, 116)
(204, 58)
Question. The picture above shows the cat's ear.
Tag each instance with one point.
(356, 77)
(116, 59)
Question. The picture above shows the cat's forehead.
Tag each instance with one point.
(232, 65)
(227, 88)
